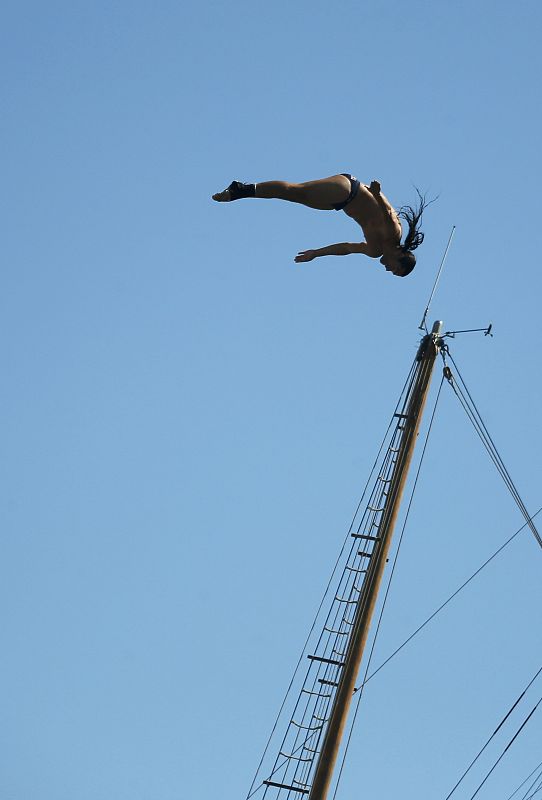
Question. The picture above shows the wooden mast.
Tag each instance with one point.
(427, 353)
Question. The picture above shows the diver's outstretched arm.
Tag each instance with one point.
(340, 249)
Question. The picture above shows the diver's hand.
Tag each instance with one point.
(305, 255)
(374, 187)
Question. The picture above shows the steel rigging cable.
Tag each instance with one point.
(508, 746)
(529, 776)
(497, 729)
(465, 398)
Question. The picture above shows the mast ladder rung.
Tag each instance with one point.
(316, 694)
(311, 749)
(326, 682)
(344, 600)
(305, 727)
(292, 757)
(354, 569)
(365, 536)
(285, 786)
(364, 554)
(327, 660)
(376, 510)
(320, 719)
(339, 633)
(401, 416)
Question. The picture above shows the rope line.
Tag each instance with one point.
(508, 746)
(538, 767)
(451, 597)
(475, 418)
(497, 729)
(538, 788)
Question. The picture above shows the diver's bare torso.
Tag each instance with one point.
(378, 220)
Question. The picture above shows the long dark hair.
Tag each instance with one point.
(414, 237)
(413, 218)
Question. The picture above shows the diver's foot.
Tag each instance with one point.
(222, 197)
(235, 191)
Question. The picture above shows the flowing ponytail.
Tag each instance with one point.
(413, 218)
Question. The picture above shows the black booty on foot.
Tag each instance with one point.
(238, 190)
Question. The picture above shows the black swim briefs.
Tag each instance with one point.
(354, 188)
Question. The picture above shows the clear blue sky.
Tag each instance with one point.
(188, 417)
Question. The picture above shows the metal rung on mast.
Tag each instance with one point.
(353, 569)
(364, 554)
(365, 536)
(339, 633)
(327, 660)
(285, 786)
(327, 683)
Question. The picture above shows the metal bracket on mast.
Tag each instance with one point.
(485, 331)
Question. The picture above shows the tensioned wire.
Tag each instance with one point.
(508, 746)
(451, 597)
(535, 791)
(475, 417)
(537, 769)
(495, 732)
(406, 387)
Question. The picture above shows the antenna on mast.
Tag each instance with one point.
(422, 326)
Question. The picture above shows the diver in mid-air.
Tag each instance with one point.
(365, 204)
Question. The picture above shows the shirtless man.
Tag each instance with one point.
(366, 205)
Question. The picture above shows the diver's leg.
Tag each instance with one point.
(322, 194)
